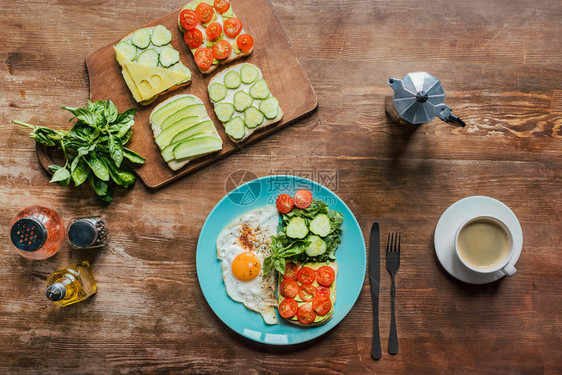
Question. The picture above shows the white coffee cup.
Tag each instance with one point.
(502, 265)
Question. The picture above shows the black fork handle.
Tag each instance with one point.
(393, 337)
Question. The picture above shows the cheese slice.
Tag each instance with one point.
(151, 81)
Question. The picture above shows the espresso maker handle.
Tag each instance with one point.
(444, 113)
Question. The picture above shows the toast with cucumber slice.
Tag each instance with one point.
(183, 130)
(243, 102)
(150, 65)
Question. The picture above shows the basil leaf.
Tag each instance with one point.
(121, 176)
(53, 168)
(279, 265)
(115, 150)
(98, 167)
(110, 111)
(133, 156)
(108, 196)
(100, 187)
(80, 172)
(60, 175)
(85, 115)
(123, 119)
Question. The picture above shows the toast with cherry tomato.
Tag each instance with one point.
(213, 33)
(307, 293)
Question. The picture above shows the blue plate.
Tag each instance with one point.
(351, 258)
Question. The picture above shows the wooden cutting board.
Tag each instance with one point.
(272, 53)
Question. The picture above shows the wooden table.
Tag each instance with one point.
(501, 65)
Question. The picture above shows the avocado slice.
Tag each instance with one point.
(191, 110)
(168, 109)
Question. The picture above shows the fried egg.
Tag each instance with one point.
(242, 247)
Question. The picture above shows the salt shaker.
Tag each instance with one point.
(87, 232)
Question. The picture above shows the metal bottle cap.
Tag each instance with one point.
(419, 97)
(82, 233)
(28, 234)
(56, 291)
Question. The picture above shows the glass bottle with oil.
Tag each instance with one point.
(71, 284)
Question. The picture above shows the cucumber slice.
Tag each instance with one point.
(148, 57)
(197, 109)
(217, 92)
(235, 128)
(317, 246)
(161, 35)
(320, 225)
(249, 74)
(165, 137)
(224, 111)
(270, 107)
(127, 50)
(242, 101)
(197, 147)
(141, 38)
(259, 90)
(297, 228)
(253, 117)
(232, 80)
(169, 56)
(180, 68)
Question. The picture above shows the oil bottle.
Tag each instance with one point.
(71, 284)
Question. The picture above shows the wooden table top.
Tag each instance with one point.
(501, 66)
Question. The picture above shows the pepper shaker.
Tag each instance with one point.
(87, 232)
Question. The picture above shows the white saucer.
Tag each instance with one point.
(458, 213)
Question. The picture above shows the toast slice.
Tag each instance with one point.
(183, 130)
(149, 64)
(320, 320)
(235, 54)
(240, 81)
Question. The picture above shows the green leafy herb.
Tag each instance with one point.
(287, 249)
(94, 148)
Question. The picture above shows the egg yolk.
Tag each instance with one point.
(246, 266)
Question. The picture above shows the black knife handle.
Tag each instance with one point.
(376, 351)
(393, 338)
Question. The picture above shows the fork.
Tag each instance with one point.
(392, 265)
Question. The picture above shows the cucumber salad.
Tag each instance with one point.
(309, 232)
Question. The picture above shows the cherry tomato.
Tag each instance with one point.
(203, 57)
(289, 288)
(222, 50)
(290, 271)
(232, 27)
(307, 292)
(245, 42)
(306, 314)
(325, 275)
(193, 38)
(214, 30)
(306, 275)
(303, 198)
(323, 291)
(188, 19)
(221, 5)
(285, 203)
(204, 12)
(288, 308)
(322, 305)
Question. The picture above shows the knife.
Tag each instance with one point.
(374, 280)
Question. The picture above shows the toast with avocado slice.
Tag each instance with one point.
(183, 130)
(307, 294)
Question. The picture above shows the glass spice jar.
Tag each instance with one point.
(87, 232)
(37, 232)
